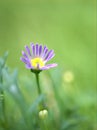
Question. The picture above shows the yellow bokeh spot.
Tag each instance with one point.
(68, 77)
(37, 61)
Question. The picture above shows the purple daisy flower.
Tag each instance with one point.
(36, 57)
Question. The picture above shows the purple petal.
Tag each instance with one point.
(49, 66)
(40, 50)
(28, 50)
(49, 54)
(28, 66)
(50, 57)
(31, 45)
(33, 49)
(27, 61)
(24, 54)
(24, 60)
(44, 51)
(37, 50)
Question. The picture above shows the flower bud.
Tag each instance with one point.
(43, 114)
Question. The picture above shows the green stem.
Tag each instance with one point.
(38, 85)
(42, 104)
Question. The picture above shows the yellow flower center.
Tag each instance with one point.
(37, 61)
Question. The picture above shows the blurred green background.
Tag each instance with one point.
(67, 26)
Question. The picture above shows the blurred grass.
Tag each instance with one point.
(69, 106)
